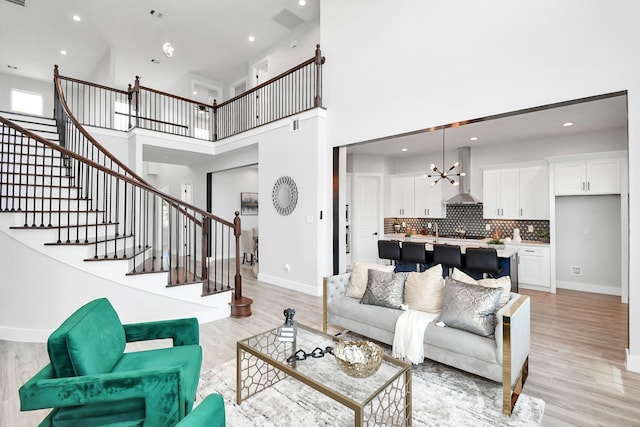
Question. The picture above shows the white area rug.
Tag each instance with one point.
(442, 396)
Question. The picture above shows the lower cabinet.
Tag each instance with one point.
(534, 266)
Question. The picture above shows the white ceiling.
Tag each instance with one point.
(588, 116)
(210, 37)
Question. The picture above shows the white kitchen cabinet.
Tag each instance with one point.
(428, 199)
(533, 185)
(402, 197)
(516, 193)
(601, 176)
(534, 266)
(500, 194)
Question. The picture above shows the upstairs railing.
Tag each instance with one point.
(292, 92)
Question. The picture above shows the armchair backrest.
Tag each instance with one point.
(90, 341)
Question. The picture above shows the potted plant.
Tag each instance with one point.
(496, 243)
(396, 226)
(543, 235)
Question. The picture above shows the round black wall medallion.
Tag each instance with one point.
(284, 195)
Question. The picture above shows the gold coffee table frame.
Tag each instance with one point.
(261, 362)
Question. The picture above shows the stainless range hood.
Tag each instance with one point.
(464, 196)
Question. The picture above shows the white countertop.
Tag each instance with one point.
(509, 249)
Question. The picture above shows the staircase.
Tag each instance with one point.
(68, 206)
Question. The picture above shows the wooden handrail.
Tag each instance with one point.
(96, 85)
(137, 183)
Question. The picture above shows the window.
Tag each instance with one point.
(26, 102)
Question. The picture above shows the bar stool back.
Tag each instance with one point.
(389, 249)
(414, 253)
(482, 261)
(449, 256)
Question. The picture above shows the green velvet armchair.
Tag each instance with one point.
(91, 381)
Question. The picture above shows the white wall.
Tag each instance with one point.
(225, 195)
(11, 81)
(588, 236)
(292, 246)
(451, 61)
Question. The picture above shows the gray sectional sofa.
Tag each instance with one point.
(503, 358)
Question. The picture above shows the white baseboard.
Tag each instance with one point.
(290, 284)
(633, 362)
(589, 287)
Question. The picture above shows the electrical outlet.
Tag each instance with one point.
(530, 229)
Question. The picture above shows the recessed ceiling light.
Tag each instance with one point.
(63, 52)
(405, 149)
(252, 39)
(302, 2)
(473, 138)
(567, 124)
(195, 92)
(76, 18)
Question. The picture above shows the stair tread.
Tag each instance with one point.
(119, 256)
(55, 227)
(89, 242)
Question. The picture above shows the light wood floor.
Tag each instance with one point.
(576, 363)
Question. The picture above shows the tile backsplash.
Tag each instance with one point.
(469, 218)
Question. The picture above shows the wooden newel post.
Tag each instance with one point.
(130, 97)
(240, 306)
(319, 60)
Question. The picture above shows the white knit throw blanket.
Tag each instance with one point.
(408, 339)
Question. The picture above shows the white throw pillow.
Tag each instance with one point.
(423, 291)
(359, 277)
(503, 282)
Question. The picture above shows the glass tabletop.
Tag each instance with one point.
(322, 371)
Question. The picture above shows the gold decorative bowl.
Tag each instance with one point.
(359, 359)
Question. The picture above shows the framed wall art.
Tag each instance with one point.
(248, 203)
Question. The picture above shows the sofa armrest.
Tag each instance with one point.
(514, 336)
(161, 390)
(209, 413)
(333, 287)
(182, 331)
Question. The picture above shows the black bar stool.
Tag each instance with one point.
(414, 253)
(449, 256)
(482, 261)
(389, 249)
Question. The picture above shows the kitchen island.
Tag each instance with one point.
(507, 255)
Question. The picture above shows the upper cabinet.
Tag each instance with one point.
(600, 176)
(428, 199)
(516, 193)
(402, 198)
(414, 197)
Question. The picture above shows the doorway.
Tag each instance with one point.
(367, 219)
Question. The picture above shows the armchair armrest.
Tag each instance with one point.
(333, 287)
(160, 388)
(182, 331)
(209, 413)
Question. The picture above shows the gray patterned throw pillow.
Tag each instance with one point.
(385, 289)
(470, 307)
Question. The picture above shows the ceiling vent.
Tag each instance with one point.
(288, 19)
(18, 2)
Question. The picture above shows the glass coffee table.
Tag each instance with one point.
(383, 399)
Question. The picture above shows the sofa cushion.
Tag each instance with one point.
(503, 282)
(385, 289)
(90, 341)
(359, 277)
(373, 315)
(423, 291)
(470, 307)
(461, 342)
